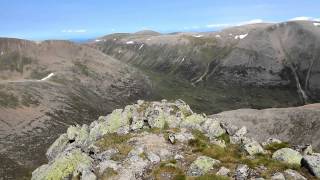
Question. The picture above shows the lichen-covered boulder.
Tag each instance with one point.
(193, 121)
(312, 162)
(57, 147)
(202, 165)
(63, 166)
(109, 124)
(253, 148)
(293, 175)
(287, 155)
(212, 128)
(79, 134)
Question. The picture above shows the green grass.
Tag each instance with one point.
(214, 97)
(211, 177)
(225, 137)
(276, 146)
(116, 141)
(162, 170)
(233, 155)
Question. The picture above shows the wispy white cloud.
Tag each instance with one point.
(305, 18)
(253, 21)
(74, 31)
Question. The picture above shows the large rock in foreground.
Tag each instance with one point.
(312, 162)
(287, 155)
(161, 140)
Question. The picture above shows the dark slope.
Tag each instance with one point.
(35, 107)
(258, 65)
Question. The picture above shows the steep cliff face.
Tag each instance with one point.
(47, 86)
(280, 57)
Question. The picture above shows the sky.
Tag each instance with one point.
(72, 19)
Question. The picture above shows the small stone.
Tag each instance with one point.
(242, 172)
(140, 102)
(178, 157)
(287, 155)
(223, 171)
(201, 166)
(231, 129)
(292, 174)
(253, 148)
(278, 176)
(183, 136)
(271, 141)
(307, 150)
(172, 138)
(312, 163)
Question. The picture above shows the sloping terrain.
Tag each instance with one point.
(257, 65)
(47, 86)
(296, 125)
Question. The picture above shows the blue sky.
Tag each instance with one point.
(69, 19)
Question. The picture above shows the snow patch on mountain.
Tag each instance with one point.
(316, 24)
(242, 36)
(47, 77)
(130, 42)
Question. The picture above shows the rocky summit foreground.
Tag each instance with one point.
(166, 140)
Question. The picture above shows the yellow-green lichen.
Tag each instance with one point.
(193, 121)
(62, 167)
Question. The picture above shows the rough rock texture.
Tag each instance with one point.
(183, 147)
(292, 174)
(297, 125)
(287, 155)
(312, 162)
(278, 176)
(202, 165)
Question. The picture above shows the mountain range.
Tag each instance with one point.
(47, 86)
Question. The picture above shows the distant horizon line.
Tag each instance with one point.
(200, 30)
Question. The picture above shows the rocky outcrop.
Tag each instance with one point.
(164, 139)
(297, 125)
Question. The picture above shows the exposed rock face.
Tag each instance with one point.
(312, 162)
(287, 155)
(46, 87)
(100, 150)
(297, 125)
